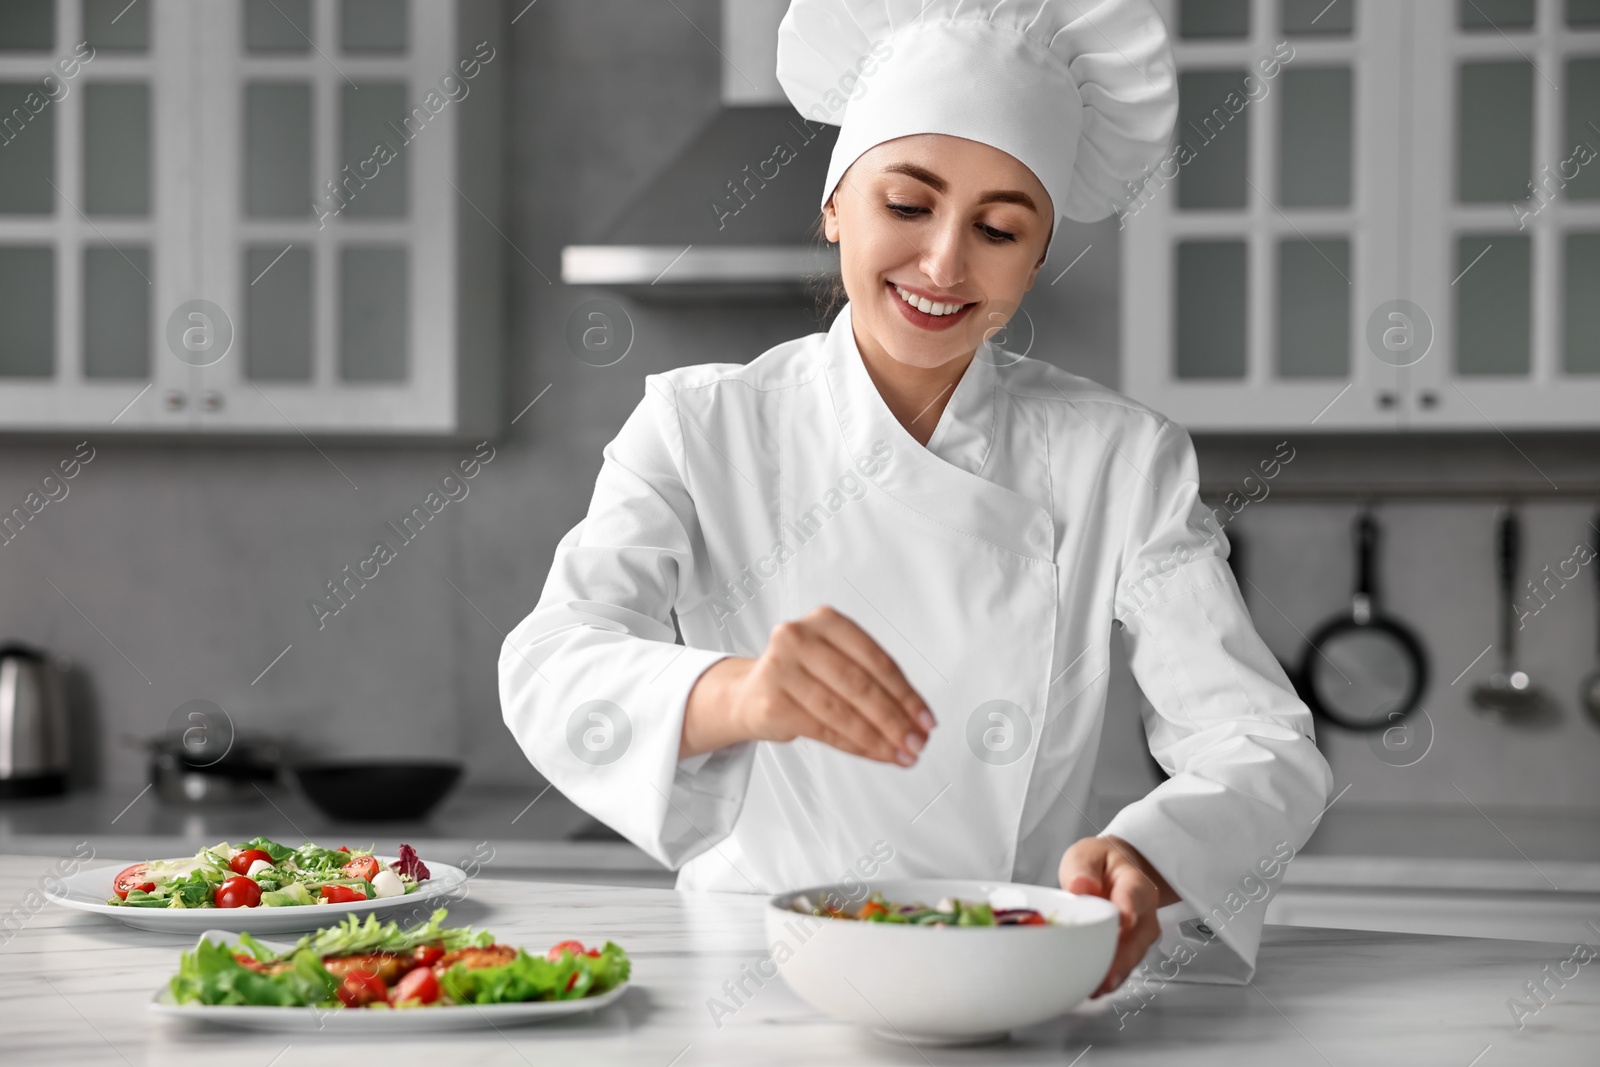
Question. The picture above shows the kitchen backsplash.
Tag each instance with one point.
(178, 572)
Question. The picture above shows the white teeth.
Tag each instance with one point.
(923, 304)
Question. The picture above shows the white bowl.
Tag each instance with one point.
(944, 985)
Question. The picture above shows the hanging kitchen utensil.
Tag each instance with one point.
(1509, 690)
(1591, 684)
(1364, 670)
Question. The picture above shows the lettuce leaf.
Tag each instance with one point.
(278, 852)
(536, 978)
(353, 936)
(209, 974)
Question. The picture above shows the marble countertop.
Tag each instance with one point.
(76, 990)
(537, 832)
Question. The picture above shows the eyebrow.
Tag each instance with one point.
(928, 177)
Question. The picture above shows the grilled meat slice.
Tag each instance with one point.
(250, 963)
(385, 965)
(474, 958)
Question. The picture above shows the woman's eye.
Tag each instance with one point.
(907, 211)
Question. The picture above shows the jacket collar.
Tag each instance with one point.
(966, 427)
(942, 479)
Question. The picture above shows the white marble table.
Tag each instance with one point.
(75, 989)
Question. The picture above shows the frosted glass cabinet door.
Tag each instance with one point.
(79, 240)
(341, 266)
(246, 216)
(1256, 253)
(1506, 263)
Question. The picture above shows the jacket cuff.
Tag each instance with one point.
(1211, 934)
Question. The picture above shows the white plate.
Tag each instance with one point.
(366, 1021)
(89, 891)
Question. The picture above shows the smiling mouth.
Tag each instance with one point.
(940, 316)
(927, 307)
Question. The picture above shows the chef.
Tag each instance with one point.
(896, 551)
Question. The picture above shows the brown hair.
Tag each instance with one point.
(825, 287)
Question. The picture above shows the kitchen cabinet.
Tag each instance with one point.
(263, 217)
(1375, 217)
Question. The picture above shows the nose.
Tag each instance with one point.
(944, 257)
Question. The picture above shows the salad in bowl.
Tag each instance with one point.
(1006, 954)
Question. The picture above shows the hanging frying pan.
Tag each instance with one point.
(1364, 670)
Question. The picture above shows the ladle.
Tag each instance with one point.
(1591, 685)
(1509, 690)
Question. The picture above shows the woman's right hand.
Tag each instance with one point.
(822, 677)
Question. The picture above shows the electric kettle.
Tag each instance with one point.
(33, 723)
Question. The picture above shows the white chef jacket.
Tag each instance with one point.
(736, 496)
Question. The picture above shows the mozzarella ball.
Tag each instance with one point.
(388, 884)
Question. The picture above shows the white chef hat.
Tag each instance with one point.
(1082, 92)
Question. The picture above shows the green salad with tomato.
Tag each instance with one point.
(376, 965)
(950, 911)
(263, 873)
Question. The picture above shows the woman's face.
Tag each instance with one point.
(955, 221)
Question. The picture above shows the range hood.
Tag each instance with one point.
(732, 213)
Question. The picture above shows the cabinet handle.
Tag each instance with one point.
(176, 399)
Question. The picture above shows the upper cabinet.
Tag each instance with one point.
(1374, 216)
(251, 216)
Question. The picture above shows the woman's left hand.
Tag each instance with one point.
(1110, 867)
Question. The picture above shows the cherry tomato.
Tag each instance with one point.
(131, 878)
(361, 988)
(572, 981)
(341, 894)
(1033, 919)
(871, 908)
(427, 955)
(237, 892)
(344, 848)
(418, 984)
(366, 867)
(241, 863)
(574, 947)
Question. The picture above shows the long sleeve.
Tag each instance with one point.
(593, 686)
(1247, 781)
